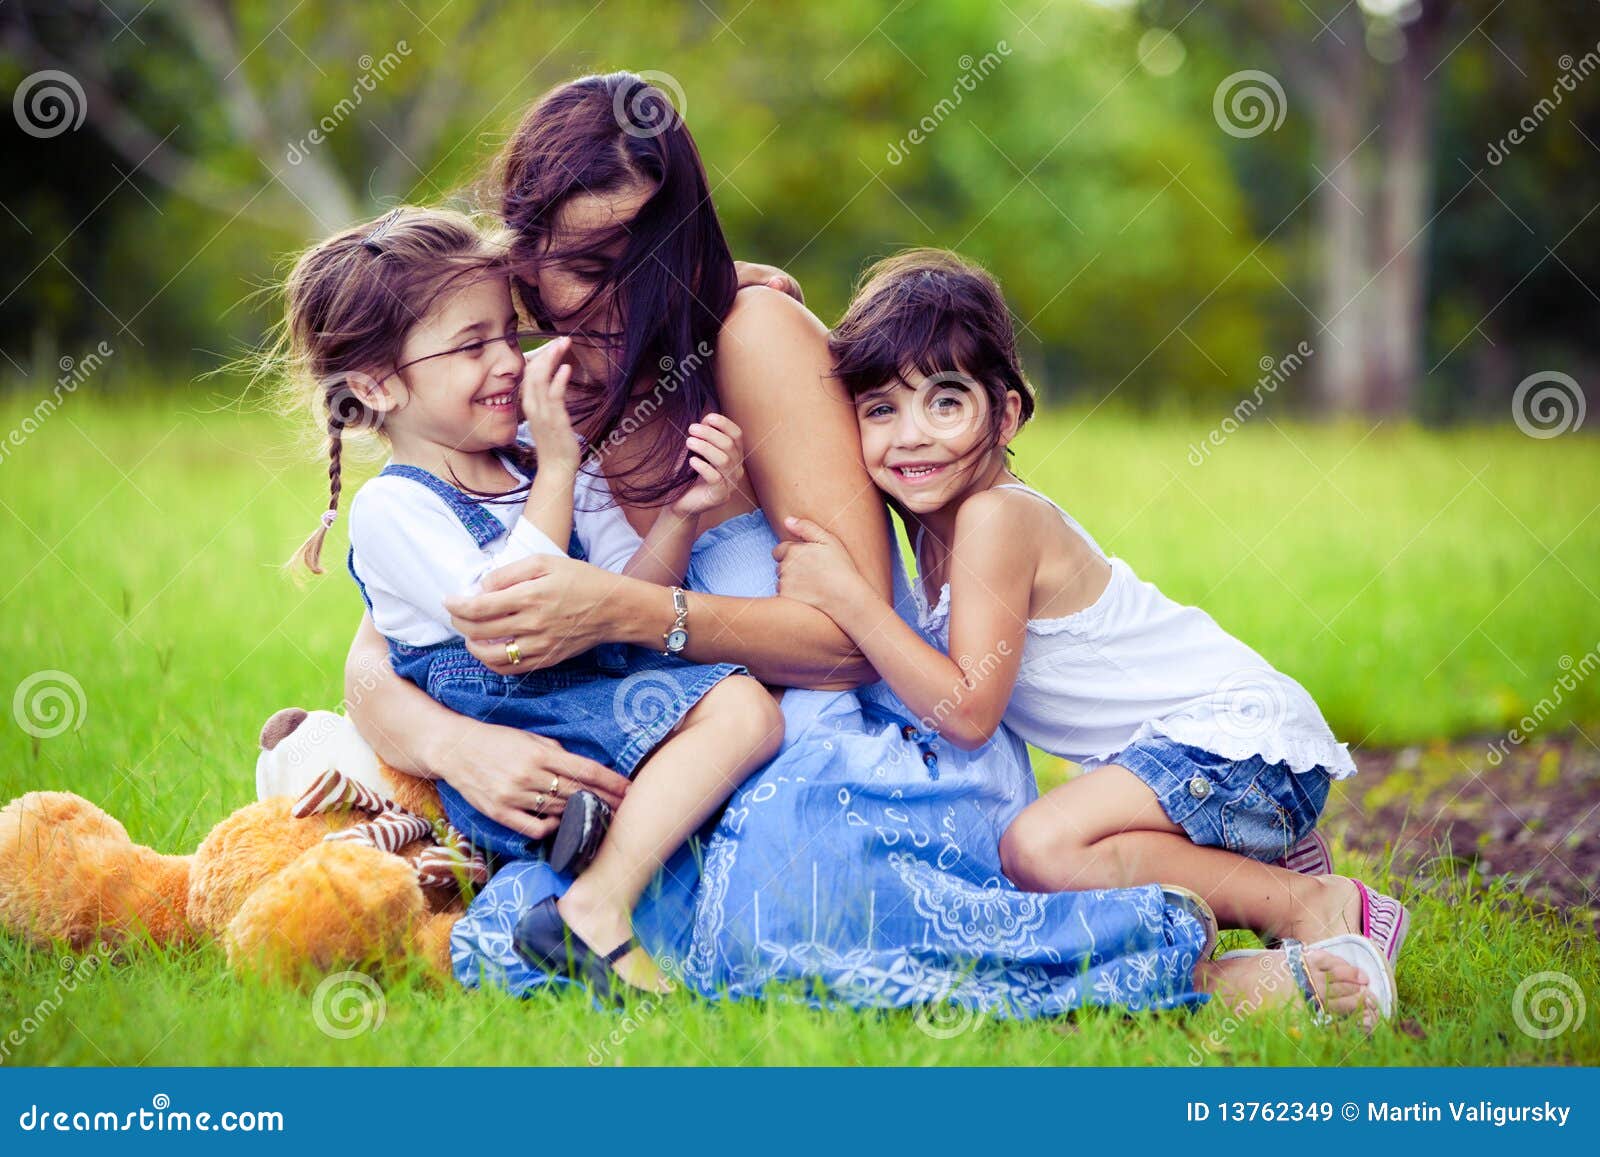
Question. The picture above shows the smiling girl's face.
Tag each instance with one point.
(929, 440)
(467, 399)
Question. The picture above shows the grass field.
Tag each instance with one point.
(1421, 585)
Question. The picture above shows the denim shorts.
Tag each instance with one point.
(613, 705)
(1249, 806)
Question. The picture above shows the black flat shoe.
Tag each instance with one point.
(544, 940)
(584, 824)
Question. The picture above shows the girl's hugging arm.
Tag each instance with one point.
(663, 556)
(961, 695)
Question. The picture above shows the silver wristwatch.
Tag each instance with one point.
(677, 636)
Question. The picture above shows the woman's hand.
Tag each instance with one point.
(716, 453)
(749, 273)
(817, 570)
(553, 606)
(520, 780)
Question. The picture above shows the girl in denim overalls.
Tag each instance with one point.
(407, 327)
(1203, 749)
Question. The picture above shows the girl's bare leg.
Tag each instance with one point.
(1106, 829)
(732, 731)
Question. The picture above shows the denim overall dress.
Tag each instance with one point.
(613, 704)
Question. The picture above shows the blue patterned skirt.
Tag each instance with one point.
(861, 867)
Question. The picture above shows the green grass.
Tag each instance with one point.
(1421, 585)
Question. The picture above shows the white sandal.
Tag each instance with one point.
(1355, 950)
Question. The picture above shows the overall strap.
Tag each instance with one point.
(475, 516)
(350, 563)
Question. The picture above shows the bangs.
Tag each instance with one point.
(895, 336)
(927, 312)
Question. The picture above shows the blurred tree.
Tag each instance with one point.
(1366, 73)
(1070, 145)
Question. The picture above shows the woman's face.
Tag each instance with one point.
(567, 287)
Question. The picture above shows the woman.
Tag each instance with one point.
(865, 856)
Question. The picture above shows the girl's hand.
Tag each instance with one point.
(544, 403)
(749, 273)
(817, 570)
(716, 453)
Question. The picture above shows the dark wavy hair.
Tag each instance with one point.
(930, 311)
(674, 280)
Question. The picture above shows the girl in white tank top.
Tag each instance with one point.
(1213, 767)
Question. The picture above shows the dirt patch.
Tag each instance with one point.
(1464, 809)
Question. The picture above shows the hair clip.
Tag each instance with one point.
(328, 518)
(372, 242)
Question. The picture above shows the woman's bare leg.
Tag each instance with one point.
(732, 731)
(1106, 829)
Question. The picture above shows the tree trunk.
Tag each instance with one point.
(1405, 193)
(1341, 236)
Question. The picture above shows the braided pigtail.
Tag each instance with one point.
(349, 303)
(310, 553)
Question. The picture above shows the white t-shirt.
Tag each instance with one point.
(412, 552)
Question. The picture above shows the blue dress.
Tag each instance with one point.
(861, 867)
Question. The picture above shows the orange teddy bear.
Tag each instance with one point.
(338, 876)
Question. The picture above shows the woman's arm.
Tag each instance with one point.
(962, 695)
(803, 457)
(803, 446)
(557, 607)
(501, 771)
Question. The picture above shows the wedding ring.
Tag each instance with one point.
(538, 806)
(513, 653)
(555, 782)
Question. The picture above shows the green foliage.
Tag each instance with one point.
(1099, 193)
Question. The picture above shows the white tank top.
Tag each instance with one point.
(1135, 664)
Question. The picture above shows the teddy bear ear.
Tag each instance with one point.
(282, 725)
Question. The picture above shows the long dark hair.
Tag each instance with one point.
(673, 283)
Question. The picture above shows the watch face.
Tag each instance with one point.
(677, 640)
